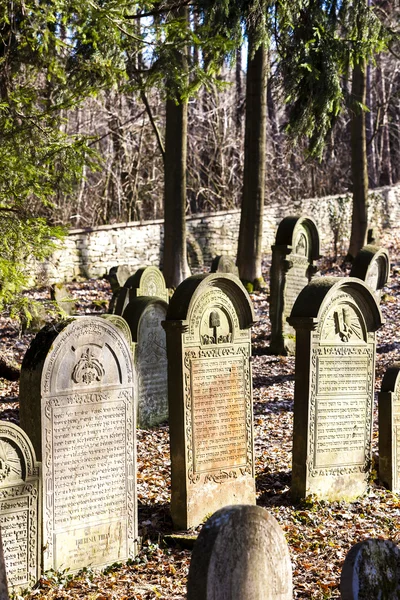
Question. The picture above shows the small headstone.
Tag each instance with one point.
(77, 406)
(144, 316)
(335, 321)
(210, 397)
(240, 554)
(117, 277)
(372, 265)
(370, 571)
(296, 247)
(60, 295)
(389, 429)
(224, 264)
(19, 508)
(373, 236)
(147, 281)
(3, 574)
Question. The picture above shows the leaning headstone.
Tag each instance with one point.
(224, 264)
(19, 508)
(60, 295)
(370, 571)
(144, 316)
(240, 554)
(389, 429)
(3, 574)
(147, 281)
(296, 247)
(372, 265)
(117, 277)
(335, 321)
(77, 406)
(210, 397)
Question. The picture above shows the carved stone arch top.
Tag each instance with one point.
(135, 310)
(317, 297)
(190, 292)
(391, 379)
(372, 265)
(148, 281)
(300, 234)
(25, 454)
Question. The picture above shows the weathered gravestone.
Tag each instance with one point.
(224, 264)
(372, 265)
(3, 574)
(117, 277)
(210, 397)
(296, 247)
(240, 554)
(147, 281)
(60, 295)
(389, 429)
(371, 571)
(335, 321)
(76, 404)
(373, 236)
(144, 316)
(19, 507)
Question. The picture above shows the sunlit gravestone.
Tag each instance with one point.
(389, 429)
(147, 281)
(224, 264)
(372, 265)
(240, 554)
(144, 316)
(77, 406)
(3, 574)
(335, 322)
(19, 507)
(210, 397)
(371, 571)
(296, 247)
(117, 277)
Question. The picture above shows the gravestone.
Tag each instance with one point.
(147, 281)
(373, 236)
(19, 507)
(76, 404)
(3, 574)
(296, 247)
(144, 316)
(117, 277)
(389, 429)
(224, 264)
(372, 265)
(335, 321)
(240, 554)
(60, 295)
(371, 571)
(210, 397)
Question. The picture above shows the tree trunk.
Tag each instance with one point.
(251, 221)
(359, 164)
(369, 129)
(175, 266)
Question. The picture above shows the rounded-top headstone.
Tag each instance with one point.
(240, 554)
(224, 264)
(148, 281)
(371, 571)
(372, 265)
(118, 275)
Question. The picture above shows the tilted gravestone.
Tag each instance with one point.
(371, 571)
(224, 264)
(60, 295)
(3, 574)
(147, 281)
(335, 321)
(19, 507)
(389, 429)
(372, 265)
(296, 247)
(77, 405)
(117, 277)
(144, 316)
(240, 554)
(210, 397)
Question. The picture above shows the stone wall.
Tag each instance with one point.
(92, 252)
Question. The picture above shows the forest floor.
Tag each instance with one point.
(319, 534)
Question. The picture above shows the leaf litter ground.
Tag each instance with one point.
(319, 534)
